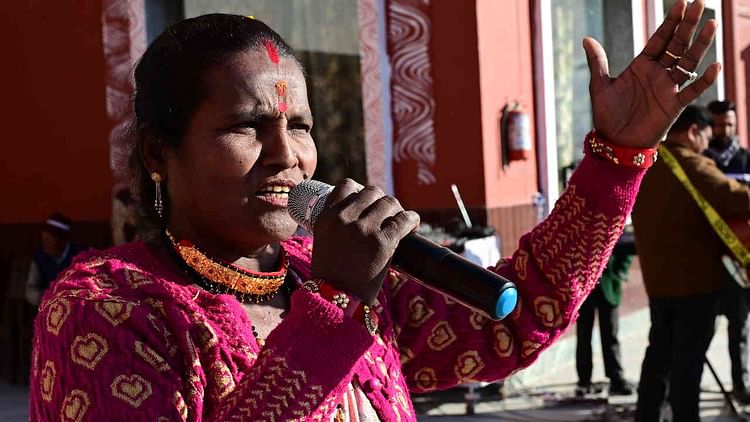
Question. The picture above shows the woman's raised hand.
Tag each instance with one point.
(356, 236)
(637, 108)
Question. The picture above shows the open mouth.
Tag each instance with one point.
(275, 194)
(275, 191)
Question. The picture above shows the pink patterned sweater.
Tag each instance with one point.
(122, 337)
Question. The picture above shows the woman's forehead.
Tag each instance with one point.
(252, 74)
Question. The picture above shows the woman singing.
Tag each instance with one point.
(226, 315)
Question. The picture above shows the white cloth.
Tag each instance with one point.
(484, 251)
(356, 407)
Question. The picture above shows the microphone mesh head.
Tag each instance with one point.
(306, 202)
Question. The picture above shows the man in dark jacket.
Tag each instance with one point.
(734, 161)
(680, 256)
(55, 256)
(724, 148)
(606, 298)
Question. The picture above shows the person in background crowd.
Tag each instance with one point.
(605, 298)
(725, 148)
(224, 314)
(734, 161)
(680, 256)
(56, 254)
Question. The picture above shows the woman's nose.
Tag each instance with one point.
(278, 149)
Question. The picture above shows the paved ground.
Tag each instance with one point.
(13, 403)
(550, 398)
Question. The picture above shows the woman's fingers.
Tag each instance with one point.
(379, 210)
(598, 64)
(682, 37)
(352, 210)
(343, 190)
(688, 94)
(694, 54)
(400, 225)
(370, 209)
(663, 35)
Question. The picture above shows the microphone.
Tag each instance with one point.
(432, 265)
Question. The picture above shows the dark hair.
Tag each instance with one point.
(169, 85)
(692, 115)
(721, 107)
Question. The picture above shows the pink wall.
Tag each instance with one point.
(505, 75)
(55, 153)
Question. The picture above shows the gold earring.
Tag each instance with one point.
(158, 202)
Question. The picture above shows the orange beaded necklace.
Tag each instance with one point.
(220, 277)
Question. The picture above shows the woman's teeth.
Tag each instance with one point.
(276, 191)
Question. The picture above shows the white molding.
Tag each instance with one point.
(636, 11)
(544, 80)
(654, 15)
(385, 89)
(719, 43)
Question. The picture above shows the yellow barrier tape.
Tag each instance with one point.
(719, 225)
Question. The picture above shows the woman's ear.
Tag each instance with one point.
(151, 150)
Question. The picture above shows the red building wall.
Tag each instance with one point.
(736, 71)
(55, 152)
(481, 58)
(505, 75)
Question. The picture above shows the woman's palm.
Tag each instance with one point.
(636, 108)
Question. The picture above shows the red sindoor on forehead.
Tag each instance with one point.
(281, 92)
(272, 50)
(281, 88)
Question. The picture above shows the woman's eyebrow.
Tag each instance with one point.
(252, 114)
(302, 116)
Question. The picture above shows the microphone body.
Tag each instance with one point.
(432, 265)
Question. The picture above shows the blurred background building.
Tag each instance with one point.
(411, 95)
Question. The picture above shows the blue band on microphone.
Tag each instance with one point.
(506, 303)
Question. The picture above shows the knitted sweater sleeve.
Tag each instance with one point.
(555, 267)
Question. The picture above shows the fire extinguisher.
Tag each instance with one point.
(515, 133)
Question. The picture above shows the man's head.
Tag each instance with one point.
(55, 234)
(692, 128)
(724, 115)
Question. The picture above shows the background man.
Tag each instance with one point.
(680, 257)
(56, 255)
(605, 298)
(724, 147)
(733, 160)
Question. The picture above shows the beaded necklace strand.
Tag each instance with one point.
(219, 277)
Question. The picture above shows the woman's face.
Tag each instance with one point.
(247, 144)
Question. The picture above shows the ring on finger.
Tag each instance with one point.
(690, 75)
(672, 55)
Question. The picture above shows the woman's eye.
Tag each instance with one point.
(248, 125)
(299, 127)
